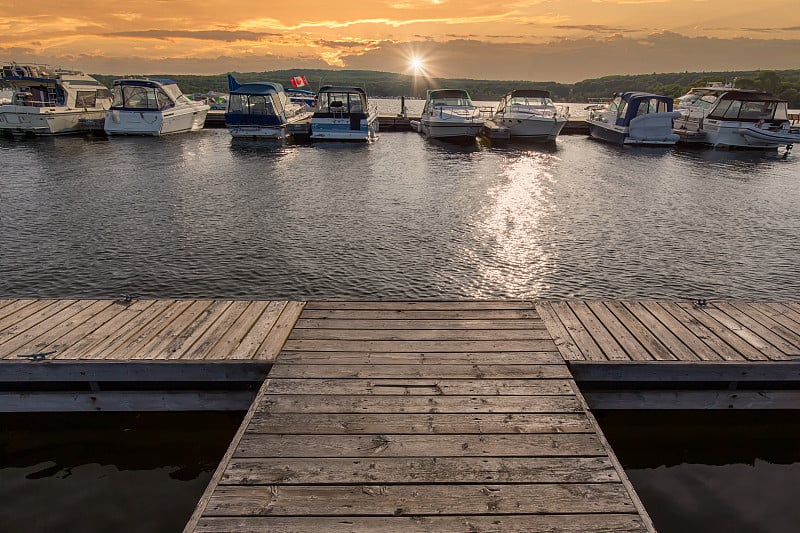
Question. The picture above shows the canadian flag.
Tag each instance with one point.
(298, 81)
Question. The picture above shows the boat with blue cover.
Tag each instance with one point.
(263, 109)
(343, 114)
(635, 118)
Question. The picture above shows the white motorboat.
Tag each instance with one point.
(148, 106)
(449, 114)
(635, 118)
(695, 104)
(51, 101)
(531, 115)
(343, 114)
(262, 110)
(748, 119)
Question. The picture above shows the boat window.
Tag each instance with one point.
(623, 107)
(721, 109)
(85, 98)
(260, 105)
(163, 100)
(756, 110)
(237, 103)
(733, 110)
(139, 97)
(781, 112)
(356, 105)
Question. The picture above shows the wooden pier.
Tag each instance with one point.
(419, 417)
(408, 416)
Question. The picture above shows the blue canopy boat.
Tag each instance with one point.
(635, 118)
(262, 109)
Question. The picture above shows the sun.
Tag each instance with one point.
(416, 64)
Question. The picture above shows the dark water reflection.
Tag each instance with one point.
(99, 472)
(201, 215)
(714, 472)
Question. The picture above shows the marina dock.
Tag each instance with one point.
(410, 416)
(216, 119)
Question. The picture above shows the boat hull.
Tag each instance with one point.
(154, 123)
(450, 130)
(531, 128)
(257, 132)
(652, 129)
(22, 120)
(342, 129)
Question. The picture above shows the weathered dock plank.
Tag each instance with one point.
(520, 523)
(672, 331)
(145, 329)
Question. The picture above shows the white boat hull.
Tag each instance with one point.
(258, 132)
(341, 129)
(531, 128)
(735, 134)
(22, 120)
(128, 122)
(450, 129)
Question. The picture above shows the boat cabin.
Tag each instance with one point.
(630, 105)
(260, 103)
(43, 86)
(745, 106)
(146, 94)
(335, 102)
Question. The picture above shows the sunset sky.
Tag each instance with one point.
(536, 40)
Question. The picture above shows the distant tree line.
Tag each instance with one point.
(784, 84)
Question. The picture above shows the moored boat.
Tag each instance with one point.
(50, 101)
(343, 114)
(741, 119)
(530, 115)
(450, 115)
(261, 110)
(634, 118)
(151, 106)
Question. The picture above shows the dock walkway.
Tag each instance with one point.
(407, 416)
(419, 417)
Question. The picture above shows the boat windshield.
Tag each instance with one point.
(531, 101)
(451, 102)
(751, 110)
(652, 105)
(139, 97)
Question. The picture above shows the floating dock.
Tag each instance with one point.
(392, 123)
(406, 416)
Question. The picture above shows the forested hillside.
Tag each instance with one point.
(783, 83)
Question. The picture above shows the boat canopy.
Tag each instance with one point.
(447, 93)
(632, 104)
(528, 93)
(335, 101)
(146, 93)
(341, 89)
(258, 88)
(749, 106)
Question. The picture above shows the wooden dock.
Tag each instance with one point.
(419, 417)
(408, 416)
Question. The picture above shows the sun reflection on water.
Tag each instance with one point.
(514, 222)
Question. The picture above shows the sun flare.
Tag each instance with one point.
(417, 64)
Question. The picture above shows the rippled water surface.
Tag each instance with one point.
(199, 215)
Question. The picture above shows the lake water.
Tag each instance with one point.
(711, 471)
(200, 215)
